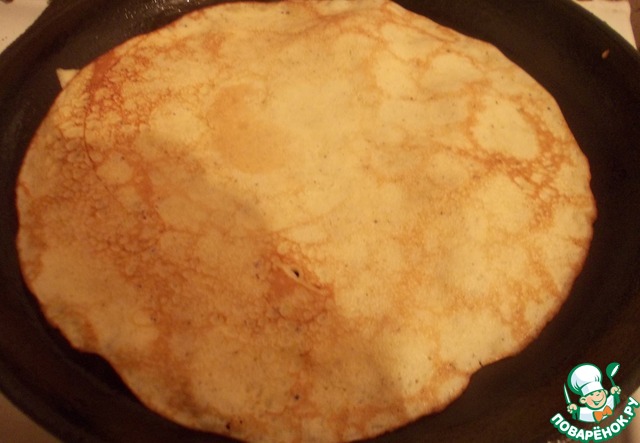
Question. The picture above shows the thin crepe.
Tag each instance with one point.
(302, 221)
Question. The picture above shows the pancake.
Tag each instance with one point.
(304, 221)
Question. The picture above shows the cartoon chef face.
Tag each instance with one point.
(595, 400)
(585, 380)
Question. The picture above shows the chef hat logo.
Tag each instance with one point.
(585, 379)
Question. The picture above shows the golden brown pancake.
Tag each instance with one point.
(306, 221)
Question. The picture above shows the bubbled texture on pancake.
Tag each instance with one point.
(302, 221)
